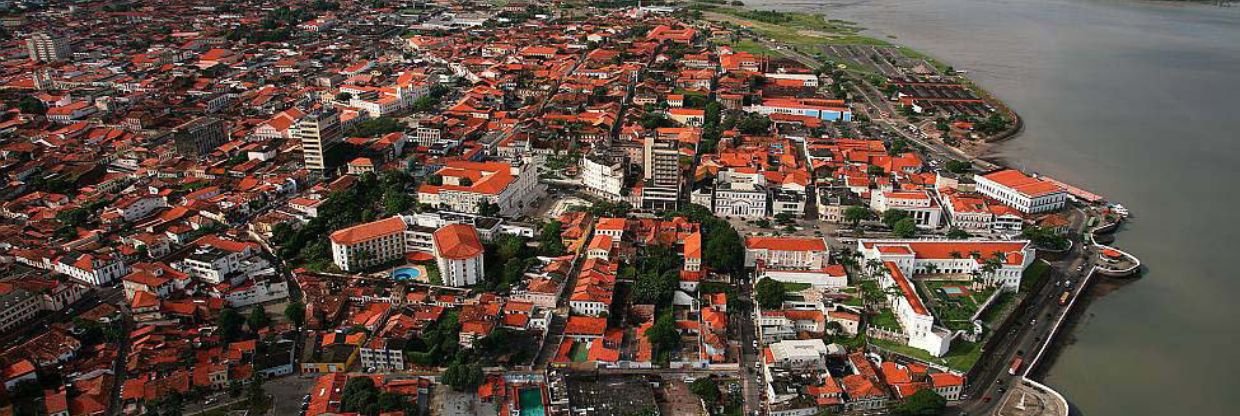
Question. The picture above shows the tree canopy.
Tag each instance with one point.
(769, 293)
(924, 402)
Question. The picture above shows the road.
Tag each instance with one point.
(1034, 325)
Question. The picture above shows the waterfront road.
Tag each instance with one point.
(1033, 326)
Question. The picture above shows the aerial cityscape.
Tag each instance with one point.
(543, 208)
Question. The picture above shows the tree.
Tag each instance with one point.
(258, 319)
(893, 216)
(958, 166)
(706, 388)
(855, 214)
(425, 103)
(551, 244)
(655, 288)
(875, 170)
(958, 234)
(295, 312)
(663, 335)
(924, 402)
(905, 228)
(344, 97)
(488, 209)
(898, 146)
(359, 395)
(769, 293)
(230, 324)
(463, 377)
(724, 251)
(31, 105)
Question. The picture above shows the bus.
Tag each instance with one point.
(1063, 299)
(1016, 362)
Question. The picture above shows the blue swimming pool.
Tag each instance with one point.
(406, 273)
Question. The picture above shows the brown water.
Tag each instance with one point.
(1139, 102)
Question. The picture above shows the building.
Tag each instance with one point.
(467, 186)
(318, 131)
(786, 252)
(661, 189)
(811, 353)
(828, 110)
(741, 192)
(1009, 258)
(17, 306)
(369, 244)
(913, 315)
(48, 47)
(603, 176)
(1027, 194)
(923, 209)
(459, 252)
(198, 137)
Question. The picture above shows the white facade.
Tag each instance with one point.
(369, 244)
(925, 256)
(602, 178)
(741, 194)
(805, 253)
(1026, 194)
(918, 204)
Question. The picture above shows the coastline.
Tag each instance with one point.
(983, 151)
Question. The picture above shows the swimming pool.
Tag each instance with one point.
(531, 402)
(406, 273)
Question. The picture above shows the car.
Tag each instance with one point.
(1033, 322)
(1001, 389)
(305, 399)
(208, 401)
(986, 399)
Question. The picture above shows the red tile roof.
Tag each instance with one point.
(457, 242)
(369, 231)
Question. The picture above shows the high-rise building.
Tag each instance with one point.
(318, 131)
(661, 189)
(48, 47)
(198, 137)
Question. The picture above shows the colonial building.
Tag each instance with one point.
(1027, 194)
(459, 252)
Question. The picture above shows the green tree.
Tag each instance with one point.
(924, 402)
(875, 170)
(258, 319)
(724, 251)
(893, 216)
(706, 388)
(905, 228)
(958, 166)
(663, 335)
(551, 244)
(344, 97)
(769, 293)
(855, 214)
(230, 322)
(359, 395)
(295, 312)
(31, 105)
(956, 233)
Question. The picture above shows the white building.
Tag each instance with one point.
(954, 257)
(807, 253)
(976, 213)
(466, 186)
(603, 177)
(918, 204)
(369, 244)
(1027, 194)
(95, 269)
(810, 353)
(914, 317)
(459, 252)
(741, 192)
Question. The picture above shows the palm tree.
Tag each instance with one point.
(932, 268)
(1000, 255)
(976, 278)
(872, 265)
(975, 254)
(955, 254)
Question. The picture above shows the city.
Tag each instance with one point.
(518, 208)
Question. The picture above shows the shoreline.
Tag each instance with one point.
(982, 150)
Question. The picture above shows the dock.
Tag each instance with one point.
(1077, 192)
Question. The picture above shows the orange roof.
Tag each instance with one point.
(693, 246)
(906, 288)
(585, 325)
(457, 242)
(1024, 184)
(369, 231)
